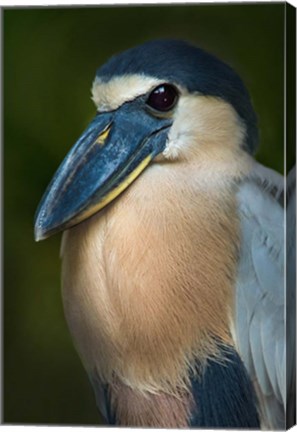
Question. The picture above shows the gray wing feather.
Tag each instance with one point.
(291, 297)
(260, 299)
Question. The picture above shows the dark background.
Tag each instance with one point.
(50, 58)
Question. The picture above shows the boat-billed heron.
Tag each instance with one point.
(173, 250)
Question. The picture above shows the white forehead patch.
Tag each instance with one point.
(112, 94)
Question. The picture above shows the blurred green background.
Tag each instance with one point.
(50, 58)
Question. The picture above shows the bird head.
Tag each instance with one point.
(164, 101)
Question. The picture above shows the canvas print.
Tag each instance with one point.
(173, 214)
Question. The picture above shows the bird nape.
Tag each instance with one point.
(173, 250)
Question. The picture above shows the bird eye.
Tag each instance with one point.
(163, 98)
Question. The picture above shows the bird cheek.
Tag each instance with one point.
(184, 133)
(173, 150)
(204, 128)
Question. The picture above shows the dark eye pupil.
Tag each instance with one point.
(163, 98)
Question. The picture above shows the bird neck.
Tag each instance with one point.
(149, 290)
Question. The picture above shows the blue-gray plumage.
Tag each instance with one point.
(173, 284)
(215, 404)
(260, 293)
